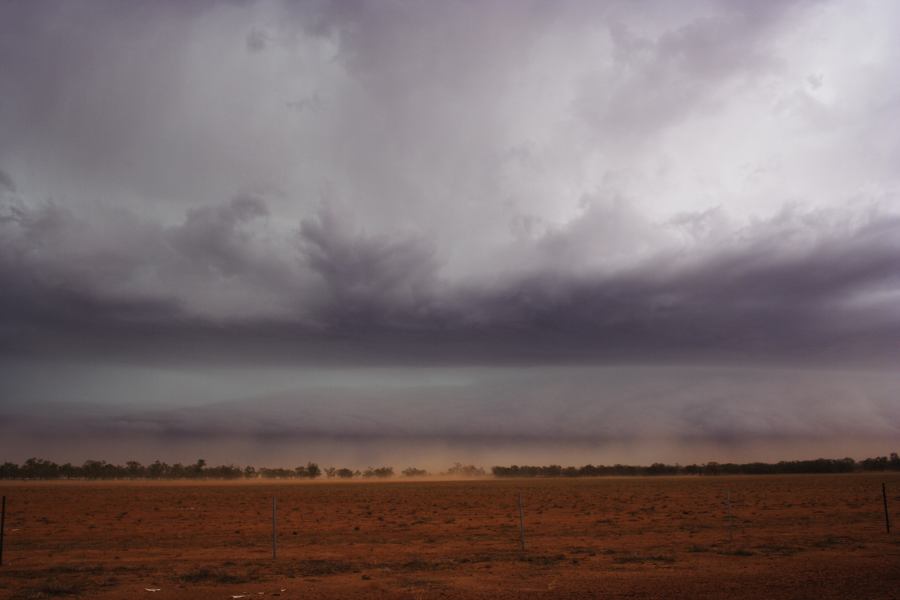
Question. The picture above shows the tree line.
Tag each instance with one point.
(39, 468)
(819, 465)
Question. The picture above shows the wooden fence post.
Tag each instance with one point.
(521, 524)
(887, 516)
(730, 519)
(274, 530)
(2, 526)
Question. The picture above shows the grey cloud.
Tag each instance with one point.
(257, 40)
(113, 271)
(800, 286)
(372, 280)
(419, 100)
(658, 81)
(786, 287)
(53, 270)
(415, 117)
(593, 407)
(311, 103)
(6, 182)
(212, 234)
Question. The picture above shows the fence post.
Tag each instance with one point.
(521, 524)
(274, 531)
(887, 516)
(2, 526)
(730, 519)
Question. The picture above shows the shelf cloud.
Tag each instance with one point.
(802, 286)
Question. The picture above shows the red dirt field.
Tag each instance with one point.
(790, 537)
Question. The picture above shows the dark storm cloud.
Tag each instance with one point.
(372, 281)
(760, 297)
(211, 235)
(71, 276)
(794, 287)
(505, 181)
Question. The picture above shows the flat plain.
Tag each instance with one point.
(804, 536)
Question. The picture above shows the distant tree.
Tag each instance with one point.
(414, 472)
(879, 463)
(93, 469)
(196, 470)
(134, 469)
(9, 470)
(39, 468)
(662, 469)
(381, 472)
(68, 471)
(311, 471)
(460, 470)
(344, 473)
(223, 472)
(278, 473)
(157, 470)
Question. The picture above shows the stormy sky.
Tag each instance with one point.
(618, 231)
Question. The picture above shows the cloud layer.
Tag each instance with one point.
(547, 414)
(263, 185)
(818, 285)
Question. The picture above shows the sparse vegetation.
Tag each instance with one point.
(39, 468)
(381, 472)
(638, 558)
(51, 588)
(460, 470)
(819, 465)
(206, 574)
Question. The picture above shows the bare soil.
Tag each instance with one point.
(785, 537)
